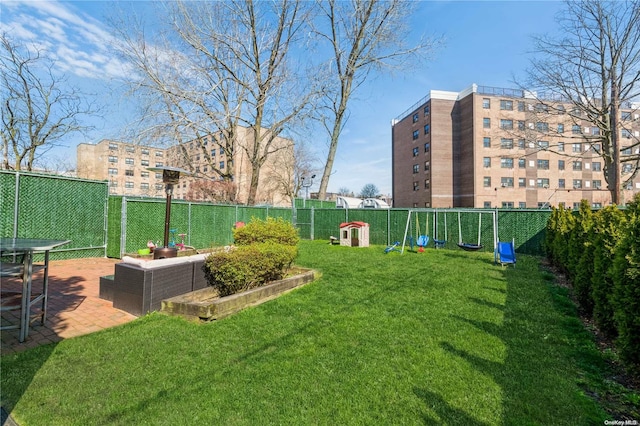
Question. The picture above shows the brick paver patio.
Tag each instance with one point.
(74, 306)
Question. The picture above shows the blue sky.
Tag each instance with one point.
(487, 43)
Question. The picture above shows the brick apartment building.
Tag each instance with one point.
(492, 147)
(125, 167)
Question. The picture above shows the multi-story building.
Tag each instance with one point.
(125, 166)
(494, 147)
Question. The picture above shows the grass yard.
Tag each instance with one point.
(441, 337)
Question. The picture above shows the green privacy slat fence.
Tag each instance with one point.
(55, 207)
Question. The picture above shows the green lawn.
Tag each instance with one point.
(436, 337)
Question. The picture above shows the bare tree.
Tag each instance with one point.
(286, 173)
(223, 66)
(363, 35)
(219, 191)
(594, 68)
(369, 191)
(39, 110)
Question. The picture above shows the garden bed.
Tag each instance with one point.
(206, 305)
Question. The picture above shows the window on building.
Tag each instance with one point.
(159, 154)
(625, 115)
(560, 109)
(416, 151)
(427, 147)
(128, 172)
(627, 168)
(521, 125)
(626, 151)
(145, 151)
(426, 110)
(486, 161)
(561, 183)
(113, 146)
(542, 108)
(128, 161)
(113, 184)
(144, 162)
(596, 147)
(506, 163)
(221, 152)
(522, 163)
(576, 112)
(159, 164)
(543, 164)
(543, 145)
(577, 184)
(507, 204)
(596, 205)
(596, 166)
(560, 164)
(113, 171)
(416, 134)
(416, 185)
(522, 182)
(426, 129)
(144, 185)
(576, 129)
(597, 184)
(560, 146)
(416, 168)
(522, 205)
(221, 165)
(128, 185)
(486, 181)
(113, 159)
(542, 183)
(595, 131)
(542, 126)
(506, 182)
(506, 143)
(576, 147)
(487, 204)
(144, 174)
(560, 128)
(521, 106)
(486, 103)
(158, 187)
(577, 165)
(522, 144)
(506, 124)
(486, 123)
(158, 175)
(506, 105)
(415, 117)
(427, 166)
(427, 184)
(130, 149)
(486, 142)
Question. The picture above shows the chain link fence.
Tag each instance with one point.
(45, 206)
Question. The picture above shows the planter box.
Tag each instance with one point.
(205, 305)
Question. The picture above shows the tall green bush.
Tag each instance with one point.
(626, 289)
(608, 228)
(276, 230)
(564, 224)
(580, 257)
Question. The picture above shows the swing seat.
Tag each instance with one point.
(423, 241)
(439, 243)
(470, 247)
(505, 254)
(394, 247)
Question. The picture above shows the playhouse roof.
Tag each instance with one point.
(354, 224)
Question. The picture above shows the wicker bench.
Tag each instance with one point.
(139, 287)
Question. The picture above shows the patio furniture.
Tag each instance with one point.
(25, 249)
(139, 286)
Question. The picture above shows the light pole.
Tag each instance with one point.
(306, 184)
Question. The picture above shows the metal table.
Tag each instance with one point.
(26, 247)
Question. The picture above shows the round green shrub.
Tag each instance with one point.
(262, 231)
(247, 267)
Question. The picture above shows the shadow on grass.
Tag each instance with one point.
(544, 341)
(446, 413)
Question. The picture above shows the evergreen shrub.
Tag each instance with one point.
(262, 231)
